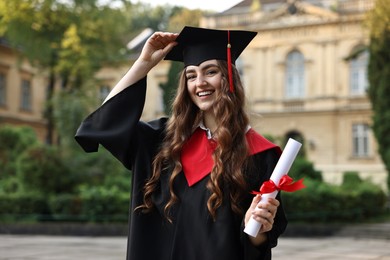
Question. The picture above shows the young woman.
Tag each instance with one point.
(192, 174)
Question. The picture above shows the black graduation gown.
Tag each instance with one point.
(193, 235)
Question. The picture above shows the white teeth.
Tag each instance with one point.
(205, 93)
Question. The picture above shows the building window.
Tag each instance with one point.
(358, 74)
(103, 93)
(360, 140)
(26, 96)
(3, 92)
(295, 75)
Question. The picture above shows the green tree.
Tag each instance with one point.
(157, 18)
(183, 17)
(70, 40)
(95, 37)
(13, 142)
(42, 170)
(302, 168)
(379, 77)
(34, 28)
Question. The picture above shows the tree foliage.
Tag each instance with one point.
(70, 40)
(13, 142)
(42, 169)
(184, 17)
(302, 168)
(34, 28)
(379, 77)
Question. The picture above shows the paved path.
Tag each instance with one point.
(332, 248)
(28, 247)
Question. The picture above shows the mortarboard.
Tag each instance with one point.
(196, 45)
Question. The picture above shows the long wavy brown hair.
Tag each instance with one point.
(230, 154)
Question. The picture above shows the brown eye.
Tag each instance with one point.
(211, 72)
(190, 77)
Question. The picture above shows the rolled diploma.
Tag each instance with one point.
(282, 167)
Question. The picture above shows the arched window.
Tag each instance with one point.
(295, 75)
(358, 73)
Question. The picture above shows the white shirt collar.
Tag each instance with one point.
(208, 131)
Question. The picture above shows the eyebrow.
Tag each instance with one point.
(203, 68)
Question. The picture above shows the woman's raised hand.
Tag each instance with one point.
(156, 47)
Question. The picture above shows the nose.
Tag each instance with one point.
(200, 81)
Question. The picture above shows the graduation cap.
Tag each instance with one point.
(196, 45)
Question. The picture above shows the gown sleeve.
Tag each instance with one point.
(114, 124)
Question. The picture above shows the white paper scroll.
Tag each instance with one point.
(282, 167)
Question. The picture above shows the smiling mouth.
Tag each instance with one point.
(204, 93)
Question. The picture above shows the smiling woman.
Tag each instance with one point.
(192, 172)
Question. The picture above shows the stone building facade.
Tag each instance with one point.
(22, 91)
(306, 78)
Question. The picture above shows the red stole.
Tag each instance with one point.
(196, 155)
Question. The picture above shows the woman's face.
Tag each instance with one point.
(203, 82)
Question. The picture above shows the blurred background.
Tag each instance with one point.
(318, 72)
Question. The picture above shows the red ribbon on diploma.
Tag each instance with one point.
(286, 183)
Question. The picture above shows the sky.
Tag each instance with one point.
(212, 5)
